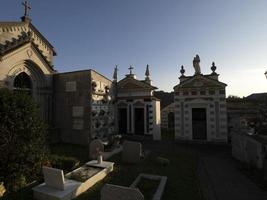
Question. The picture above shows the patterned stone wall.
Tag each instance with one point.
(84, 106)
(102, 105)
(212, 99)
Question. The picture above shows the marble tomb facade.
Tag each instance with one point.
(200, 106)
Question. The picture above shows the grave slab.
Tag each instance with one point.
(116, 192)
(72, 188)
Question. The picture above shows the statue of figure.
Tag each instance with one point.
(196, 65)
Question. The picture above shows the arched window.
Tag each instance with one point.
(23, 82)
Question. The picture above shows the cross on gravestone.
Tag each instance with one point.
(26, 8)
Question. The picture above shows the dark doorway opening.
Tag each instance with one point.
(199, 123)
(122, 120)
(170, 120)
(139, 121)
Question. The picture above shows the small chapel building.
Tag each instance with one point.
(137, 107)
(200, 106)
(26, 62)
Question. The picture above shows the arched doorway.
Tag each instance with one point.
(22, 82)
(171, 120)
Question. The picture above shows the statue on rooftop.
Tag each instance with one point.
(196, 65)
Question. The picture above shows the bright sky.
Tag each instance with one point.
(165, 34)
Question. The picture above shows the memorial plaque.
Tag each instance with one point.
(71, 86)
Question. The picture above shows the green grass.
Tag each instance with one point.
(182, 180)
(77, 151)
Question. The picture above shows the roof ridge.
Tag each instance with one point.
(199, 75)
(136, 80)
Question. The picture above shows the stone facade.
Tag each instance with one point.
(26, 63)
(167, 117)
(85, 97)
(200, 107)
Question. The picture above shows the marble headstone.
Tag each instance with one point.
(131, 152)
(54, 178)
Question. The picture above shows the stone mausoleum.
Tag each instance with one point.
(81, 105)
(200, 106)
(138, 109)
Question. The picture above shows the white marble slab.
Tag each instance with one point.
(103, 164)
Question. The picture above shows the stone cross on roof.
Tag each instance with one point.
(26, 8)
(131, 69)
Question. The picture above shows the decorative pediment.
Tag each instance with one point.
(122, 104)
(133, 84)
(27, 52)
(15, 34)
(200, 81)
(138, 103)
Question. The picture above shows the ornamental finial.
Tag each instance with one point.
(182, 70)
(115, 74)
(147, 79)
(147, 71)
(213, 68)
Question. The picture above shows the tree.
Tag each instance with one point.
(22, 139)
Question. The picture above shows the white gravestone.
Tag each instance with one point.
(96, 145)
(115, 192)
(54, 178)
(132, 152)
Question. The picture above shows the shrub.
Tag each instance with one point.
(22, 139)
